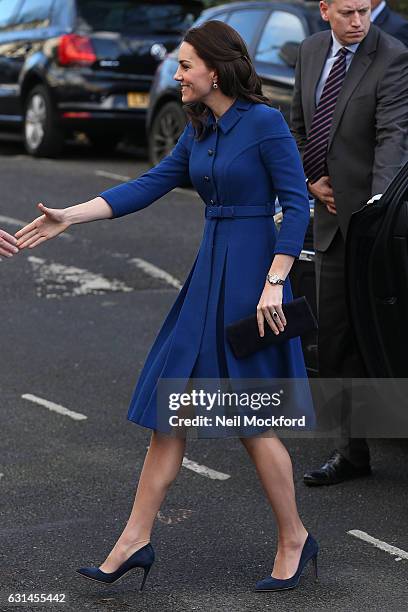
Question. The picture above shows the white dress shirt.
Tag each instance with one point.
(331, 58)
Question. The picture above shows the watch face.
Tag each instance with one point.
(274, 278)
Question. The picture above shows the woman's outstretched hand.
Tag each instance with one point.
(51, 223)
(8, 244)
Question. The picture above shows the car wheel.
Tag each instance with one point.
(42, 136)
(166, 128)
(104, 143)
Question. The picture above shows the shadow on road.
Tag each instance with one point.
(11, 145)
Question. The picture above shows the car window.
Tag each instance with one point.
(204, 17)
(246, 22)
(7, 10)
(220, 17)
(280, 28)
(34, 14)
(136, 17)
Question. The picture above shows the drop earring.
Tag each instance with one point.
(215, 86)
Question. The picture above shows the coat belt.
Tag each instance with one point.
(216, 212)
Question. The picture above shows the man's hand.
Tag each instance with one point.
(322, 190)
(8, 244)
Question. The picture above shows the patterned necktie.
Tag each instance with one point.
(314, 157)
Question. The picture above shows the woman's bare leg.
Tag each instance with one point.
(274, 468)
(161, 466)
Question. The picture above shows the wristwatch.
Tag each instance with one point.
(274, 279)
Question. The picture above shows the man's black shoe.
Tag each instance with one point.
(337, 469)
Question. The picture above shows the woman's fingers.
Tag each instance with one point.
(22, 242)
(274, 316)
(273, 322)
(27, 242)
(28, 228)
(260, 320)
(263, 313)
(27, 235)
(282, 319)
(282, 315)
(37, 242)
(270, 309)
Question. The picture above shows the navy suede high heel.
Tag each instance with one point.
(309, 552)
(144, 557)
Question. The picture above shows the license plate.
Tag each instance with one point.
(137, 100)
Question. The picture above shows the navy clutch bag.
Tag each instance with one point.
(243, 335)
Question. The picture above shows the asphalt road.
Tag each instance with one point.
(78, 316)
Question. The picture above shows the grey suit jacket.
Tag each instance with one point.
(368, 141)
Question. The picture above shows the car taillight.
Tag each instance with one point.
(74, 49)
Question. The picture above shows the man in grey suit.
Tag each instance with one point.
(350, 119)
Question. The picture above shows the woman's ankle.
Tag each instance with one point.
(130, 539)
(293, 538)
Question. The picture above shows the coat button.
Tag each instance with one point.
(210, 152)
(207, 178)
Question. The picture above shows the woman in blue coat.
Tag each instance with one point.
(239, 154)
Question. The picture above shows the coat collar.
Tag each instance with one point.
(227, 121)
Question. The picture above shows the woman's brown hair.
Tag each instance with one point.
(222, 49)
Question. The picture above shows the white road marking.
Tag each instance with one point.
(121, 177)
(155, 272)
(203, 470)
(112, 175)
(174, 516)
(97, 284)
(392, 550)
(56, 280)
(77, 416)
(12, 221)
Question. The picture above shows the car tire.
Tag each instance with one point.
(43, 137)
(165, 130)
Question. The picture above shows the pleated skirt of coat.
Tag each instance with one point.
(224, 285)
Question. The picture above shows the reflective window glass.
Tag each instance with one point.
(7, 10)
(280, 28)
(246, 23)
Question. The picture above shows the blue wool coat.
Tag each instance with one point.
(245, 159)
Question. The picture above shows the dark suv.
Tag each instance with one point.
(83, 65)
(272, 31)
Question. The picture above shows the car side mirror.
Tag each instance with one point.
(289, 52)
